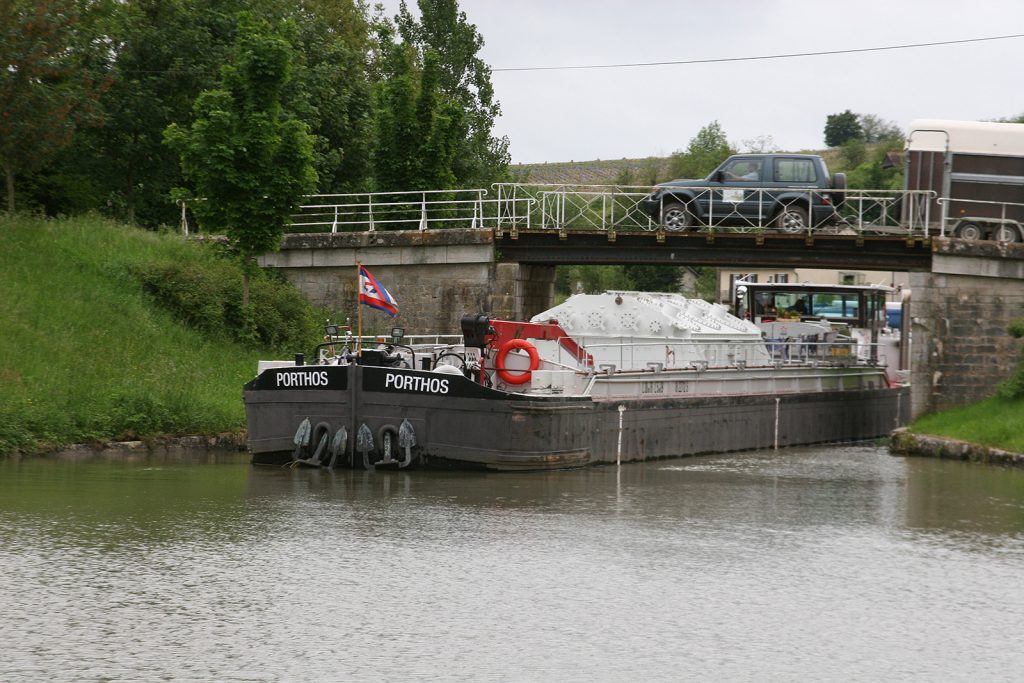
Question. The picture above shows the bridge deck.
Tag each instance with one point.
(715, 249)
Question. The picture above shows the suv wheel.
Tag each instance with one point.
(792, 219)
(677, 217)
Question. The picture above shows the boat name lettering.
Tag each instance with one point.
(682, 387)
(302, 379)
(431, 385)
(652, 387)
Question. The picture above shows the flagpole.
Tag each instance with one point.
(359, 312)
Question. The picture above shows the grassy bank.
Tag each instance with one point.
(994, 422)
(86, 354)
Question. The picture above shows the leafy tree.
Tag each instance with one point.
(842, 127)
(396, 163)
(46, 87)
(872, 173)
(157, 73)
(706, 150)
(331, 90)
(653, 278)
(249, 160)
(706, 286)
(464, 80)
(875, 129)
(589, 279)
(853, 152)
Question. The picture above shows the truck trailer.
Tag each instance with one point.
(976, 170)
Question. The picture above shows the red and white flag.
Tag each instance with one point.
(372, 293)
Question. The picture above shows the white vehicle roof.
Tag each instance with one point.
(968, 137)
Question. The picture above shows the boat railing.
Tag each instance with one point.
(633, 356)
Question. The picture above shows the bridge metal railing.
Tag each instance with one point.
(371, 211)
(610, 208)
(604, 207)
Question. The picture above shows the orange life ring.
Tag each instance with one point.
(499, 361)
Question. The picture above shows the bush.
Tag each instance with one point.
(209, 299)
(1013, 387)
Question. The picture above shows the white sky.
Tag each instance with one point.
(577, 115)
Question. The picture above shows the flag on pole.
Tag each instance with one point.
(372, 293)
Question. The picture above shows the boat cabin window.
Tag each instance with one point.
(782, 304)
(857, 307)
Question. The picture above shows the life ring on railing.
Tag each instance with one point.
(499, 361)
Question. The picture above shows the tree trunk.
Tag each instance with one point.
(245, 286)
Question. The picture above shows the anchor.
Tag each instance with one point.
(364, 444)
(406, 440)
(301, 439)
(338, 446)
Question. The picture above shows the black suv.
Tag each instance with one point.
(787, 192)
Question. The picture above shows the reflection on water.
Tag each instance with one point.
(839, 563)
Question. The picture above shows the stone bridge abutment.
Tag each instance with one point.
(436, 277)
(960, 346)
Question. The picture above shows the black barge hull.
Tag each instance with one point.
(460, 424)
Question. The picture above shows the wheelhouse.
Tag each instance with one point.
(858, 306)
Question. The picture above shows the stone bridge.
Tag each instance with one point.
(964, 293)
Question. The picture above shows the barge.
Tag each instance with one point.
(604, 378)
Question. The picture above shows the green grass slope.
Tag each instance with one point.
(995, 422)
(86, 355)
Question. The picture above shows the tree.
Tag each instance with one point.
(249, 160)
(653, 278)
(464, 80)
(875, 129)
(706, 150)
(156, 76)
(842, 127)
(853, 152)
(331, 91)
(46, 90)
(587, 279)
(396, 160)
(872, 173)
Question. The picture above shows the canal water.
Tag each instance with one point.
(836, 563)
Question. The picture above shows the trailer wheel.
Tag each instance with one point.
(1007, 233)
(970, 231)
(792, 219)
(677, 217)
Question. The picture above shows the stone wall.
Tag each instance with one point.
(904, 442)
(960, 347)
(436, 277)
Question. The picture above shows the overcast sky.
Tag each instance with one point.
(577, 115)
